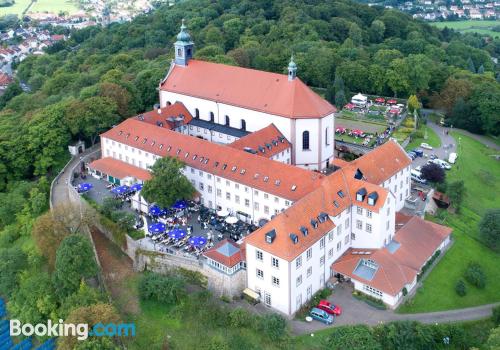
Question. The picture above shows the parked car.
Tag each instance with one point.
(442, 163)
(425, 145)
(412, 155)
(452, 158)
(417, 177)
(419, 152)
(321, 315)
(433, 156)
(330, 308)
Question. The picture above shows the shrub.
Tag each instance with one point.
(496, 315)
(240, 317)
(225, 298)
(489, 229)
(460, 288)
(304, 310)
(166, 289)
(273, 326)
(475, 275)
(428, 264)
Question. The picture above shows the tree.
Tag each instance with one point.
(474, 275)
(12, 262)
(48, 233)
(413, 103)
(85, 296)
(493, 342)
(470, 65)
(165, 289)
(433, 173)
(460, 288)
(397, 76)
(340, 99)
(74, 262)
(376, 31)
(456, 191)
(351, 337)
(273, 326)
(480, 70)
(167, 184)
(489, 229)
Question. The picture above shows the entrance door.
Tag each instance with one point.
(267, 299)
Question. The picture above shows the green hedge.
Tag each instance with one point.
(306, 308)
(428, 264)
(376, 303)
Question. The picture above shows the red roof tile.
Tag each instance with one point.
(5, 79)
(229, 261)
(418, 240)
(247, 88)
(260, 140)
(258, 172)
(170, 116)
(119, 169)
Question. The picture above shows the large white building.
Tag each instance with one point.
(250, 141)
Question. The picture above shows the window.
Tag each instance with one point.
(243, 124)
(196, 113)
(209, 189)
(330, 236)
(227, 121)
(260, 273)
(298, 262)
(275, 262)
(276, 200)
(228, 196)
(266, 209)
(212, 117)
(247, 202)
(322, 261)
(339, 246)
(346, 223)
(228, 183)
(359, 224)
(353, 237)
(276, 281)
(388, 211)
(372, 290)
(339, 230)
(369, 213)
(368, 228)
(256, 206)
(322, 242)
(309, 253)
(267, 299)
(330, 253)
(309, 271)
(387, 225)
(266, 196)
(298, 281)
(201, 186)
(256, 192)
(219, 192)
(305, 140)
(259, 255)
(346, 240)
(327, 136)
(360, 211)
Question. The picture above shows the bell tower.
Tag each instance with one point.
(184, 47)
(292, 69)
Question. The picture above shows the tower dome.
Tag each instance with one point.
(183, 34)
(184, 47)
(292, 69)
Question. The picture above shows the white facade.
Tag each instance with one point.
(317, 155)
(400, 186)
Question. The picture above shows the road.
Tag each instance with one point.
(59, 192)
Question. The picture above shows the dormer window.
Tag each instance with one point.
(153, 143)
(224, 167)
(277, 182)
(160, 146)
(314, 223)
(169, 148)
(266, 178)
(341, 194)
(186, 155)
(195, 156)
(205, 161)
(372, 198)
(178, 151)
(336, 204)
(144, 141)
(120, 133)
(361, 194)
(270, 236)
(294, 238)
(242, 171)
(136, 138)
(294, 187)
(304, 230)
(256, 176)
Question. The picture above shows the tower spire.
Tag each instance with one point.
(292, 69)
(184, 47)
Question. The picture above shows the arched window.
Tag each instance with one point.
(305, 140)
(197, 113)
(243, 124)
(212, 118)
(179, 52)
(227, 120)
(327, 135)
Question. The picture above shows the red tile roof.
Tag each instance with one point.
(257, 172)
(418, 240)
(382, 163)
(5, 79)
(119, 169)
(267, 142)
(170, 116)
(247, 88)
(325, 199)
(229, 261)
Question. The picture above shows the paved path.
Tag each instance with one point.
(59, 191)
(358, 312)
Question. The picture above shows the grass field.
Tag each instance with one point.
(474, 26)
(432, 139)
(40, 6)
(357, 124)
(54, 6)
(481, 175)
(16, 9)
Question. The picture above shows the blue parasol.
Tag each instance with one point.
(84, 187)
(136, 187)
(180, 205)
(177, 233)
(198, 241)
(157, 227)
(121, 190)
(154, 210)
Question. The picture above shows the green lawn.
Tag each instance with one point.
(481, 175)
(16, 9)
(432, 139)
(54, 6)
(471, 26)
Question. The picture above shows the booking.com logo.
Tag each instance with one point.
(81, 330)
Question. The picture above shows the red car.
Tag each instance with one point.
(329, 307)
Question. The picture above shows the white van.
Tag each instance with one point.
(417, 177)
(442, 163)
(452, 158)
